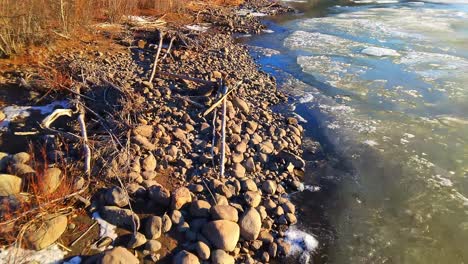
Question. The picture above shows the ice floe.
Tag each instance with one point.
(302, 244)
(380, 52)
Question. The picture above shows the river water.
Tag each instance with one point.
(383, 86)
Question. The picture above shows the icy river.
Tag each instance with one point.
(383, 86)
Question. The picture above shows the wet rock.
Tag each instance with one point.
(291, 218)
(283, 247)
(45, 233)
(153, 245)
(160, 195)
(21, 158)
(120, 217)
(269, 187)
(116, 196)
(185, 257)
(250, 224)
(180, 197)
(297, 161)
(221, 257)
(224, 212)
(289, 207)
(200, 208)
(9, 184)
(273, 249)
(153, 227)
(222, 234)
(149, 163)
(136, 240)
(241, 104)
(203, 250)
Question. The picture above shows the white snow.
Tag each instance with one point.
(106, 229)
(50, 255)
(13, 112)
(197, 28)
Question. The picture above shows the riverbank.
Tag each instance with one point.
(154, 142)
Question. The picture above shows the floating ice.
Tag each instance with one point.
(306, 98)
(370, 142)
(301, 243)
(320, 43)
(50, 255)
(380, 52)
(300, 118)
(264, 51)
(268, 31)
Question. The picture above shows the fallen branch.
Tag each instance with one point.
(221, 100)
(184, 77)
(223, 129)
(84, 234)
(169, 48)
(190, 101)
(54, 115)
(155, 64)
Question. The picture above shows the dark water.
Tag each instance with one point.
(383, 86)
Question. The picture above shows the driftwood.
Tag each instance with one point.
(169, 48)
(223, 130)
(221, 100)
(155, 64)
(188, 78)
(54, 115)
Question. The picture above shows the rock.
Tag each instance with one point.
(9, 184)
(273, 249)
(265, 257)
(250, 165)
(116, 196)
(120, 217)
(177, 217)
(149, 175)
(166, 223)
(297, 161)
(224, 212)
(160, 195)
(143, 130)
(203, 250)
(221, 257)
(153, 245)
(147, 84)
(185, 257)
(289, 207)
(241, 147)
(47, 232)
(252, 199)
(180, 134)
(267, 147)
(238, 171)
(180, 197)
(21, 158)
(22, 170)
(249, 185)
(4, 159)
(149, 163)
(265, 237)
(250, 224)
(237, 157)
(136, 240)
(153, 227)
(2, 116)
(200, 208)
(291, 218)
(262, 211)
(118, 255)
(269, 187)
(283, 247)
(144, 142)
(241, 104)
(51, 180)
(222, 234)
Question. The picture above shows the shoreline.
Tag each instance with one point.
(165, 171)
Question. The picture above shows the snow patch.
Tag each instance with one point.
(199, 28)
(380, 52)
(106, 229)
(50, 255)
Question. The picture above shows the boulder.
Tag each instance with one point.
(250, 224)
(116, 196)
(241, 104)
(221, 257)
(269, 187)
(123, 218)
(203, 250)
(136, 240)
(180, 197)
(224, 212)
(252, 198)
(222, 234)
(153, 227)
(160, 195)
(43, 234)
(22, 170)
(9, 184)
(153, 245)
(21, 158)
(143, 130)
(118, 255)
(238, 170)
(185, 257)
(149, 163)
(166, 223)
(297, 161)
(51, 180)
(200, 208)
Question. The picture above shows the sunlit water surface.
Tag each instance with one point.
(383, 85)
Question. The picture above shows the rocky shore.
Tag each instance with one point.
(156, 188)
